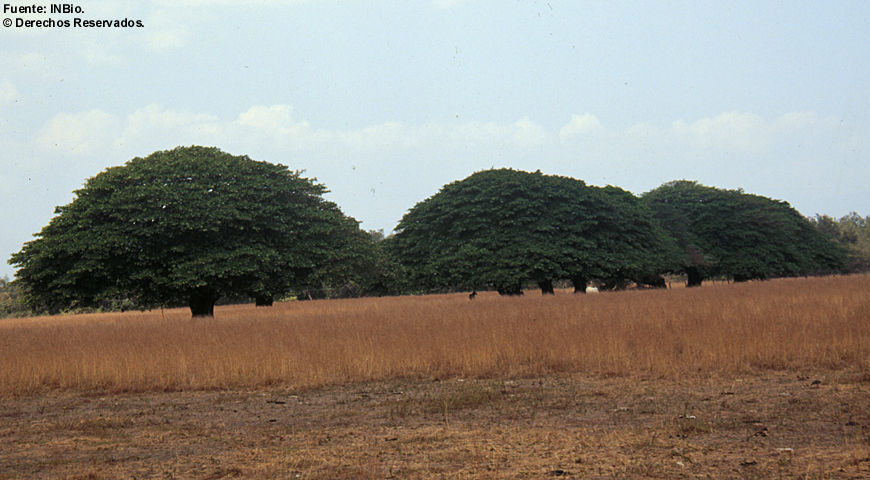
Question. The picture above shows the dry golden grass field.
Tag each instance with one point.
(755, 380)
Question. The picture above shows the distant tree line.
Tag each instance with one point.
(852, 234)
(196, 226)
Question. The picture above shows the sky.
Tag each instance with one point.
(384, 102)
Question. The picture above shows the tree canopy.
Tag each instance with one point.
(738, 235)
(184, 226)
(190, 225)
(358, 266)
(852, 233)
(503, 227)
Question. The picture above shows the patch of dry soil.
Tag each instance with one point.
(774, 425)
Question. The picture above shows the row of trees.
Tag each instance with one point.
(505, 227)
(192, 225)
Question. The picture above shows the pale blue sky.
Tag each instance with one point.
(386, 101)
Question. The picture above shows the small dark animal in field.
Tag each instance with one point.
(472, 295)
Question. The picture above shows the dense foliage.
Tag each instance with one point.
(358, 266)
(11, 299)
(185, 226)
(852, 234)
(741, 236)
(503, 227)
(192, 225)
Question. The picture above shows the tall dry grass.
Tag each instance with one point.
(816, 323)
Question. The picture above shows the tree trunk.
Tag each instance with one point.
(579, 284)
(654, 281)
(263, 300)
(202, 302)
(546, 287)
(694, 277)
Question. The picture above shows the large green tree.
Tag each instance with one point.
(505, 227)
(183, 226)
(738, 235)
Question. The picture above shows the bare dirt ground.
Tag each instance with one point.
(767, 425)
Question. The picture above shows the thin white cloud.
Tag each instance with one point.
(382, 136)
(79, 133)
(155, 125)
(586, 124)
(528, 133)
(274, 120)
(740, 136)
(522, 133)
(734, 130)
(277, 125)
(750, 133)
(797, 122)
